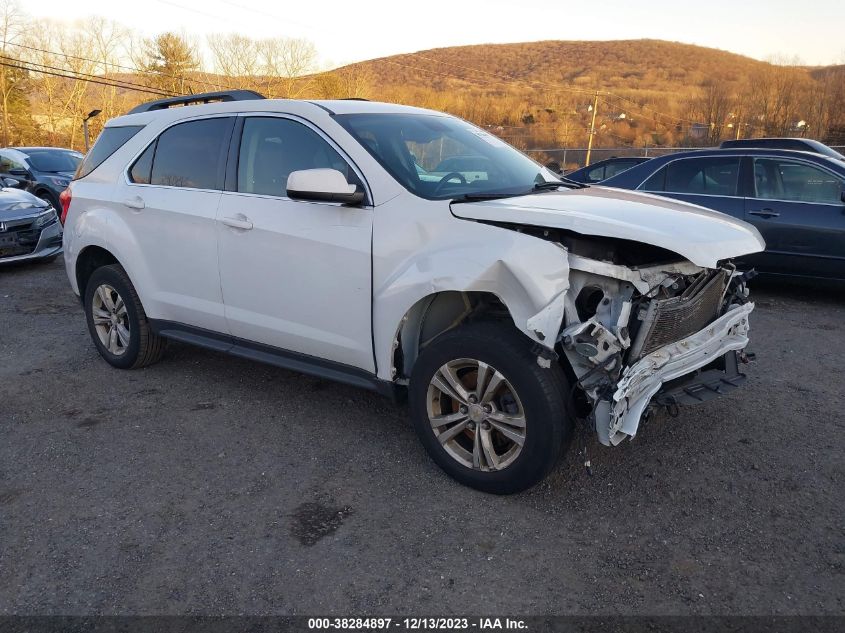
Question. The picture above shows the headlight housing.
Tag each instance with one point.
(59, 182)
(48, 216)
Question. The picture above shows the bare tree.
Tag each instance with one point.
(285, 63)
(13, 79)
(236, 58)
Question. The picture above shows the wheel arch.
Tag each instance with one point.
(439, 312)
(90, 259)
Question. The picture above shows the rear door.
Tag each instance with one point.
(170, 197)
(797, 207)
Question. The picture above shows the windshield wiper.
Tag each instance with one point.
(563, 182)
(476, 197)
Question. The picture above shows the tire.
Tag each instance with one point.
(526, 392)
(135, 345)
(51, 198)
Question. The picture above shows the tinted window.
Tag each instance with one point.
(272, 148)
(781, 179)
(8, 162)
(191, 154)
(713, 176)
(618, 166)
(143, 166)
(110, 140)
(53, 160)
(596, 174)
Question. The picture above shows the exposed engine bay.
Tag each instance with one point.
(629, 332)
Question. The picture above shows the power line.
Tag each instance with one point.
(103, 63)
(118, 83)
(23, 66)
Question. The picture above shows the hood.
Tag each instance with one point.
(700, 235)
(19, 204)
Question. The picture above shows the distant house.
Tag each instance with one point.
(699, 130)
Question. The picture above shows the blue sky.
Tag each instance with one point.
(345, 31)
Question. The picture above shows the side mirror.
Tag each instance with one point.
(323, 185)
(11, 182)
(19, 171)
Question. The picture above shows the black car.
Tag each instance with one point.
(795, 199)
(42, 171)
(604, 169)
(797, 144)
(29, 228)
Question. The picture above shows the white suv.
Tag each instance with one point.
(405, 250)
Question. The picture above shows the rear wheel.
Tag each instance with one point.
(487, 413)
(117, 322)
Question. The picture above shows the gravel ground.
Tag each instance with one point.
(212, 485)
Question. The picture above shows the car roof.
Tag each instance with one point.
(336, 106)
(746, 151)
(57, 149)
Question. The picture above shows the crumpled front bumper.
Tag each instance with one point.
(620, 417)
(49, 245)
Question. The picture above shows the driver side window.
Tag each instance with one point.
(272, 148)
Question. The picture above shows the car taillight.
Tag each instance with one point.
(64, 200)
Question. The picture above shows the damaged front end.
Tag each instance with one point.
(658, 335)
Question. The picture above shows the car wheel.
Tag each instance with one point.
(52, 199)
(117, 322)
(486, 412)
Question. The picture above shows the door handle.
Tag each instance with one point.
(765, 213)
(135, 202)
(238, 223)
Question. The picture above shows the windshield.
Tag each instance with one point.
(441, 157)
(54, 160)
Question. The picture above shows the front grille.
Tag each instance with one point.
(19, 238)
(670, 320)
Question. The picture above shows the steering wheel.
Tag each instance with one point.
(447, 178)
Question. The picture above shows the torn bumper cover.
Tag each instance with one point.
(619, 417)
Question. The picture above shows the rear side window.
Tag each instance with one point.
(190, 155)
(714, 176)
(110, 140)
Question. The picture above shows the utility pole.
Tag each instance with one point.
(592, 128)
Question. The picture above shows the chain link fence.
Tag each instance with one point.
(569, 158)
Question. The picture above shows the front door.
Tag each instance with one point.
(798, 209)
(296, 275)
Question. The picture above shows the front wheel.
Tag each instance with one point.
(486, 412)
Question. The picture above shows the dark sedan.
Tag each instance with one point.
(29, 228)
(795, 199)
(43, 171)
(604, 169)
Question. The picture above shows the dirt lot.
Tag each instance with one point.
(211, 485)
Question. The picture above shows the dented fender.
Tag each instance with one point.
(435, 252)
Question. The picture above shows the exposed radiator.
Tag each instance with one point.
(670, 320)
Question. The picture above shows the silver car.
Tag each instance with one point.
(29, 228)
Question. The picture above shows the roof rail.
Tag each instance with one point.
(205, 97)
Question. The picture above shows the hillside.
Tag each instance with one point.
(652, 92)
(630, 65)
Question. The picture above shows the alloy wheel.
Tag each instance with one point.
(111, 320)
(476, 414)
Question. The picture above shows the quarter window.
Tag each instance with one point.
(142, 168)
(272, 148)
(191, 154)
(782, 179)
(714, 176)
